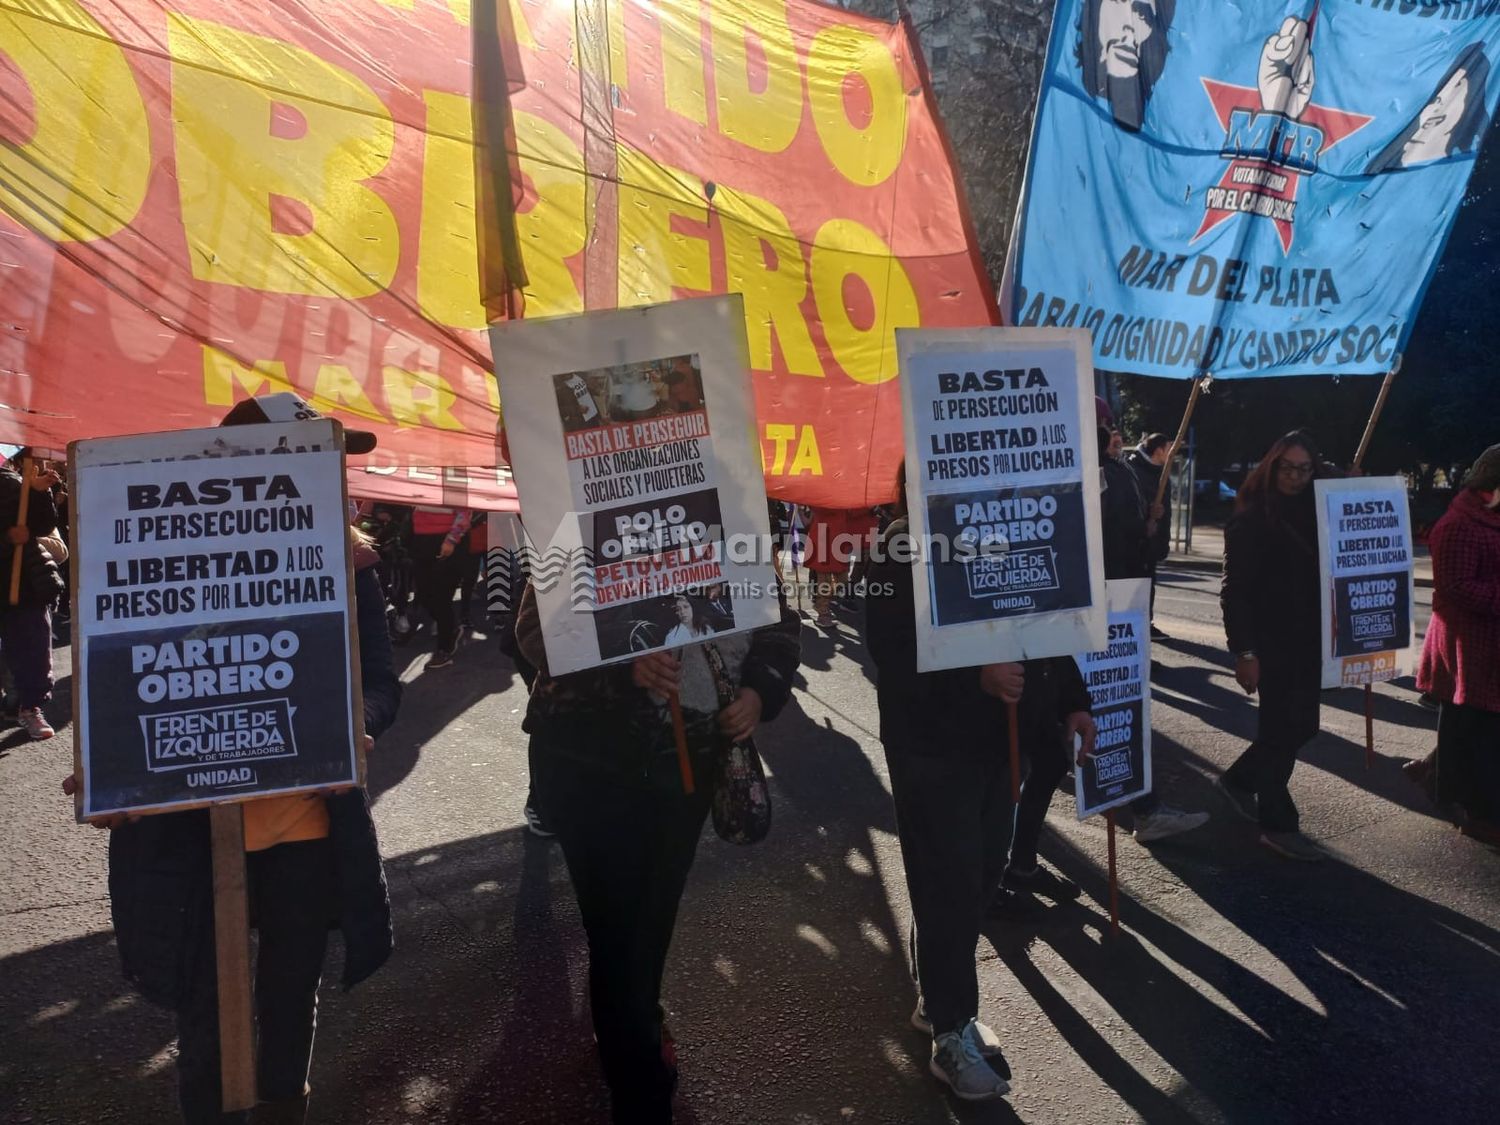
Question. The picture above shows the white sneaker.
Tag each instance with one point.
(1167, 821)
(34, 723)
(957, 1062)
(989, 1042)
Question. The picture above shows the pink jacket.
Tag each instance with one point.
(1461, 655)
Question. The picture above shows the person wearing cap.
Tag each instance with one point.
(1460, 663)
(312, 863)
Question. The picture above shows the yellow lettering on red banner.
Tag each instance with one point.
(764, 262)
(860, 326)
(757, 77)
(852, 72)
(222, 373)
(779, 433)
(447, 259)
(79, 168)
(806, 459)
(281, 207)
(549, 223)
(682, 62)
(657, 259)
(336, 389)
(419, 398)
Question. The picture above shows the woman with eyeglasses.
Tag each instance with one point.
(1270, 599)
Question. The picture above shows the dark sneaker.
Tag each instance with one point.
(1040, 881)
(1007, 906)
(1429, 702)
(440, 659)
(1159, 634)
(1243, 802)
(534, 824)
(957, 1062)
(1292, 845)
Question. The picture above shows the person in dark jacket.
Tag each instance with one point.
(945, 740)
(1123, 512)
(312, 862)
(1126, 529)
(604, 756)
(1148, 461)
(26, 627)
(1271, 603)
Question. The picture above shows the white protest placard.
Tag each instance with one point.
(632, 438)
(1119, 682)
(1365, 552)
(213, 638)
(1002, 480)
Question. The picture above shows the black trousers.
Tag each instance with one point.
(1048, 765)
(1468, 761)
(953, 817)
(437, 580)
(293, 890)
(629, 843)
(1287, 721)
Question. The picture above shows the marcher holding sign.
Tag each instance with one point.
(1364, 550)
(212, 630)
(1271, 603)
(631, 441)
(1461, 653)
(1002, 466)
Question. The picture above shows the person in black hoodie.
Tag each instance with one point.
(26, 627)
(312, 863)
(945, 739)
(1271, 602)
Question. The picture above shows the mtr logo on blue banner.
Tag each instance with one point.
(1267, 195)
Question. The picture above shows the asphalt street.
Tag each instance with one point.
(1245, 988)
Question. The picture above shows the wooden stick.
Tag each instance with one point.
(1114, 878)
(28, 474)
(1385, 392)
(232, 946)
(679, 730)
(1013, 723)
(1359, 458)
(1187, 417)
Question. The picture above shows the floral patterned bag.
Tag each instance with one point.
(741, 798)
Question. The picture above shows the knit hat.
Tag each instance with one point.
(1484, 474)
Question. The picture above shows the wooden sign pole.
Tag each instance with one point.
(28, 474)
(1359, 459)
(1114, 878)
(232, 946)
(1199, 382)
(679, 731)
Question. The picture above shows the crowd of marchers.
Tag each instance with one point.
(608, 779)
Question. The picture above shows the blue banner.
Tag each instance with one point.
(1249, 190)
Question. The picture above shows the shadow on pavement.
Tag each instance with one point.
(1295, 1012)
(787, 987)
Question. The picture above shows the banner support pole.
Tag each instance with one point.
(1199, 382)
(1359, 457)
(1385, 392)
(28, 474)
